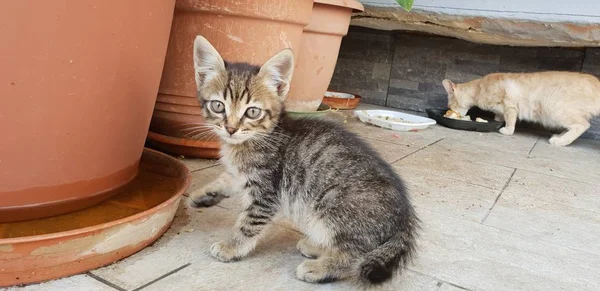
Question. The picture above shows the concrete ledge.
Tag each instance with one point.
(484, 27)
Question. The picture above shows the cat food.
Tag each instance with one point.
(393, 119)
(455, 115)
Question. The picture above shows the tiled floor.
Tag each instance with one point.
(499, 213)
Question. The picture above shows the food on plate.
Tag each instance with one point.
(455, 115)
(393, 119)
(481, 120)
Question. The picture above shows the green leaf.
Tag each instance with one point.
(406, 4)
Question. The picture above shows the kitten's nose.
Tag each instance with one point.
(231, 130)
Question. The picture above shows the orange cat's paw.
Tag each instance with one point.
(507, 131)
(557, 141)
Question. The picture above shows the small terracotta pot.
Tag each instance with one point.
(242, 31)
(78, 82)
(318, 52)
(339, 100)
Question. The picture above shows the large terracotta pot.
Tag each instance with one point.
(318, 52)
(78, 83)
(242, 31)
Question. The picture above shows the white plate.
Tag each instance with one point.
(394, 120)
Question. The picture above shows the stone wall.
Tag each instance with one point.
(404, 70)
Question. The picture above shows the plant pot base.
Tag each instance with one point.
(31, 210)
(45, 249)
(182, 146)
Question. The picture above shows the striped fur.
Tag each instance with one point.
(350, 204)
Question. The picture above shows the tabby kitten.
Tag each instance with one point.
(355, 213)
(557, 100)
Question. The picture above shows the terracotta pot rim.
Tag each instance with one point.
(186, 183)
(186, 9)
(180, 141)
(352, 4)
(336, 34)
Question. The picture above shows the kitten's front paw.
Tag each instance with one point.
(224, 252)
(313, 271)
(507, 131)
(203, 198)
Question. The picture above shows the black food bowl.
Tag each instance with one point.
(490, 126)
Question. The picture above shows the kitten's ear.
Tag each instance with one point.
(208, 64)
(277, 72)
(449, 86)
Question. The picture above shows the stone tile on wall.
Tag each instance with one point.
(591, 62)
(359, 74)
(591, 65)
(560, 59)
(423, 61)
(594, 131)
(364, 64)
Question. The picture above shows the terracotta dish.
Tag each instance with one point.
(50, 248)
(339, 100)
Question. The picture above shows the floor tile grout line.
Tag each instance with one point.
(455, 179)
(498, 197)
(439, 280)
(422, 148)
(105, 282)
(536, 172)
(542, 240)
(493, 164)
(385, 141)
(426, 146)
(393, 53)
(388, 142)
(533, 147)
(558, 177)
(162, 277)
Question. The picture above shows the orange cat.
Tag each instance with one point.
(562, 100)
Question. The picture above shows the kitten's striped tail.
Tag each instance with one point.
(382, 263)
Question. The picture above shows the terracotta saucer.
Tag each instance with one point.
(44, 249)
(339, 100)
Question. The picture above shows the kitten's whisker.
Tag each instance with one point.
(184, 125)
(197, 128)
(206, 135)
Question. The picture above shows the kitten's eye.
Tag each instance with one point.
(217, 106)
(253, 112)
